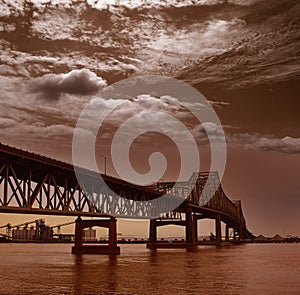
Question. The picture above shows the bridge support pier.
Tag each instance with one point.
(190, 224)
(153, 233)
(227, 233)
(234, 234)
(195, 227)
(111, 248)
(190, 230)
(218, 229)
(240, 233)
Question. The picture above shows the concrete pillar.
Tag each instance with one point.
(111, 248)
(190, 230)
(112, 232)
(78, 232)
(227, 233)
(234, 233)
(153, 232)
(195, 229)
(218, 229)
(240, 233)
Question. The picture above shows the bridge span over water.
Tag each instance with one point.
(34, 184)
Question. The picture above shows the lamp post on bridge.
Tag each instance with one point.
(104, 162)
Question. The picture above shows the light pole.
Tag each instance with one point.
(104, 162)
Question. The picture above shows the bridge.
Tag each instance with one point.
(35, 184)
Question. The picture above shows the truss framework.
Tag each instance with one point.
(31, 183)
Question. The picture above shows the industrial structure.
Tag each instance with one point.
(28, 232)
(34, 184)
(38, 231)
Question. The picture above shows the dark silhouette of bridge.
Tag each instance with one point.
(34, 184)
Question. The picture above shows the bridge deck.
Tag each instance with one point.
(35, 184)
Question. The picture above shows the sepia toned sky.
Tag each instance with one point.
(242, 55)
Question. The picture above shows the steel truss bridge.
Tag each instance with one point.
(34, 184)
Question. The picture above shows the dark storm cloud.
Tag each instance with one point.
(80, 82)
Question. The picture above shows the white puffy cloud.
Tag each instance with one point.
(288, 145)
(80, 82)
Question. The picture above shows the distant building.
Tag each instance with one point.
(24, 234)
(89, 235)
(40, 232)
(261, 239)
(277, 238)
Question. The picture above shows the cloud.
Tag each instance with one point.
(28, 130)
(80, 82)
(143, 112)
(131, 106)
(7, 123)
(287, 145)
(218, 104)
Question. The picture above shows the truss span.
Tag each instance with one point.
(34, 184)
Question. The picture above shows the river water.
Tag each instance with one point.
(238, 269)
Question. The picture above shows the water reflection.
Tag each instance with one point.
(77, 274)
(94, 273)
(244, 269)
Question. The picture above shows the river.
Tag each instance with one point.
(238, 269)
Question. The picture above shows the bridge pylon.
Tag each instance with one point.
(218, 229)
(190, 224)
(111, 248)
(227, 233)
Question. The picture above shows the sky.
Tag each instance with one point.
(242, 55)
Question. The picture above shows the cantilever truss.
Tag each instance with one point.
(204, 189)
(22, 191)
(31, 183)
